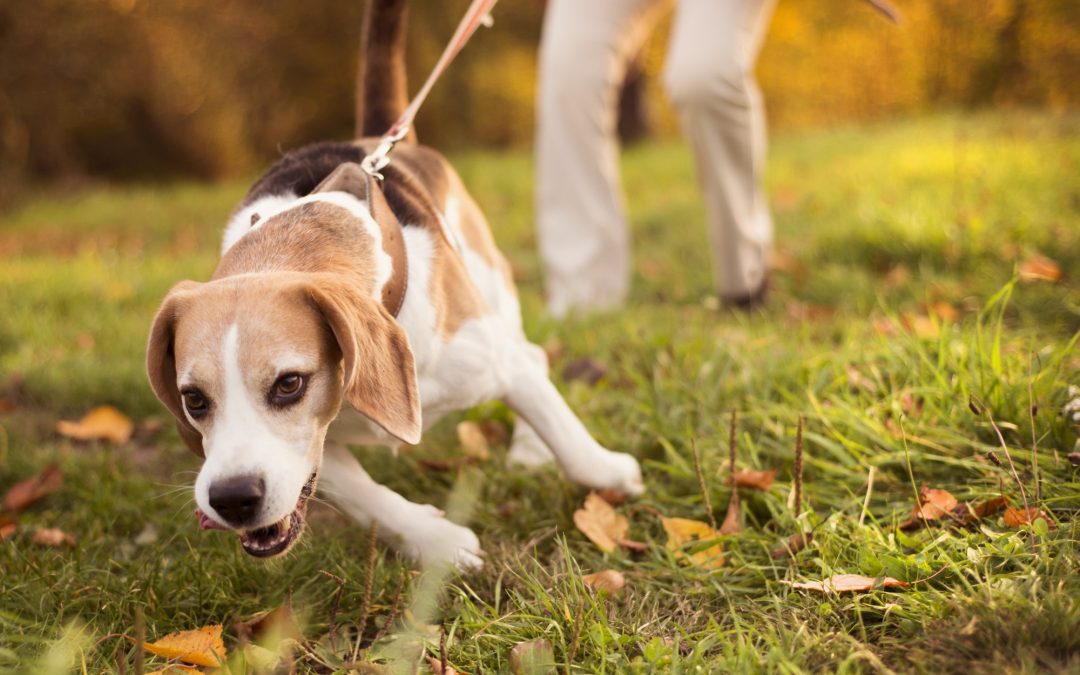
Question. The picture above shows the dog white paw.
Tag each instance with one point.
(435, 541)
(616, 471)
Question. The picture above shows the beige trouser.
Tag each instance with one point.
(582, 228)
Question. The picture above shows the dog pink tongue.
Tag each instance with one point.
(208, 523)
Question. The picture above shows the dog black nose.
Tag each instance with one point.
(237, 499)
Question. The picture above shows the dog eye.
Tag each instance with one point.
(288, 389)
(195, 403)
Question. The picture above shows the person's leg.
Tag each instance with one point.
(581, 225)
(709, 77)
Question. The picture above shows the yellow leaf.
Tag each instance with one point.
(609, 581)
(201, 647)
(599, 522)
(175, 669)
(848, 583)
(683, 532)
(472, 440)
(102, 423)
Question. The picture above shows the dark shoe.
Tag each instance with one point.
(750, 301)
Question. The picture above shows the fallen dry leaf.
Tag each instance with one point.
(1017, 518)
(590, 371)
(1039, 268)
(793, 545)
(6, 404)
(52, 536)
(847, 583)
(612, 496)
(8, 525)
(22, 495)
(731, 524)
(683, 532)
(200, 647)
(609, 581)
(634, 546)
(921, 326)
(175, 669)
(933, 504)
(495, 432)
(532, 658)
(473, 441)
(437, 667)
(965, 514)
(599, 522)
(102, 423)
(754, 479)
(944, 311)
(275, 624)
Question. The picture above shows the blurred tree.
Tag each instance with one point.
(138, 89)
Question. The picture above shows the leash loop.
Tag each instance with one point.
(478, 14)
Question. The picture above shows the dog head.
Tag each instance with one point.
(255, 366)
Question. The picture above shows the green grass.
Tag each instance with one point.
(874, 226)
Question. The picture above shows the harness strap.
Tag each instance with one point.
(349, 178)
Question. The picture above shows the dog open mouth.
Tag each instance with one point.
(272, 540)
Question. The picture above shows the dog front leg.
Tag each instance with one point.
(417, 530)
(584, 461)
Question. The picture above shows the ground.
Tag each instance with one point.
(898, 328)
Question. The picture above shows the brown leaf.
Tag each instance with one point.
(1039, 268)
(532, 658)
(175, 669)
(898, 275)
(1074, 457)
(588, 370)
(8, 526)
(599, 522)
(921, 326)
(933, 504)
(731, 524)
(52, 536)
(847, 583)
(102, 423)
(6, 404)
(22, 495)
(200, 647)
(612, 496)
(275, 624)
(495, 432)
(754, 479)
(793, 546)
(473, 441)
(966, 514)
(633, 546)
(944, 311)
(437, 667)
(683, 533)
(609, 581)
(1017, 518)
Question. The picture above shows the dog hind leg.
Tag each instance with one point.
(584, 461)
(418, 530)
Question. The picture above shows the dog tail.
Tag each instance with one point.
(381, 94)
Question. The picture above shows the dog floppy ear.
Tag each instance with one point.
(161, 362)
(379, 371)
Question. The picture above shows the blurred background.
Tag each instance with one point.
(136, 90)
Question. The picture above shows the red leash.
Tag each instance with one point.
(478, 14)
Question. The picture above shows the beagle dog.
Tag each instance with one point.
(346, 310)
